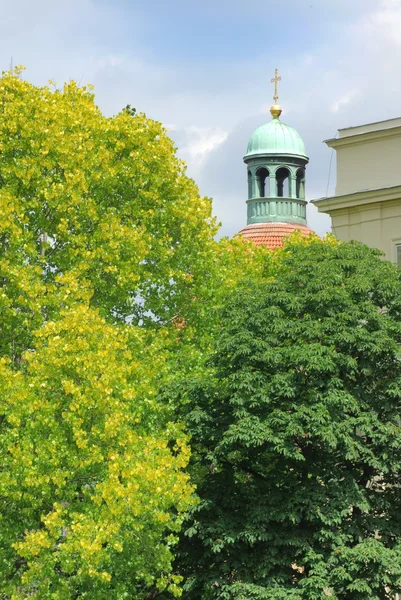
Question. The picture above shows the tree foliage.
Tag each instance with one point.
(104, 243)
(108, 271)
(296, 434)
(92, 485)
(102, 200)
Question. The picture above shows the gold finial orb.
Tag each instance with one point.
(276, 111)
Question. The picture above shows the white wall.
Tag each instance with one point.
(369, 165)
(377, 225)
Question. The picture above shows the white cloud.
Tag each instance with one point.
(109, 61)
(200, 142)
(384, 22)
(344, 100)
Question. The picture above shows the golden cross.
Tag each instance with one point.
(275, 80)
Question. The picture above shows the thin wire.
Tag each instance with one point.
(328, 180)
(331, 160)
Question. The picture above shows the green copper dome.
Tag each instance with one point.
(275, 138)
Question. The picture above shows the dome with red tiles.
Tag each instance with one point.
(272, 235)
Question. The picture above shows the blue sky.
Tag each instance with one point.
(203, 68)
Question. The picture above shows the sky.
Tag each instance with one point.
(203, 69)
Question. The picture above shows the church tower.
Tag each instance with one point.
(276, 161)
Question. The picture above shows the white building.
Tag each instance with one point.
(367, 204)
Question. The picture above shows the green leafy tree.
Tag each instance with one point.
(296, 434)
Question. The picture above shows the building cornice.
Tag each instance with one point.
(370, 124)
(356, 199)
(361, 138)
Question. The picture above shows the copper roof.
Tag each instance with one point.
(271, 234)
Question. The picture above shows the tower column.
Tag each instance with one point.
(273, 186)
(293, 186)
(254, 187)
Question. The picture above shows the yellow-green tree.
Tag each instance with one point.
(105, 200)
(92, 485)
(100, 230)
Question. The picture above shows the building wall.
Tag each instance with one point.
(367, 203)
(368, 164)
(377, 225)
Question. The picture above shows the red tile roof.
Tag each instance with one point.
(271, 234)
